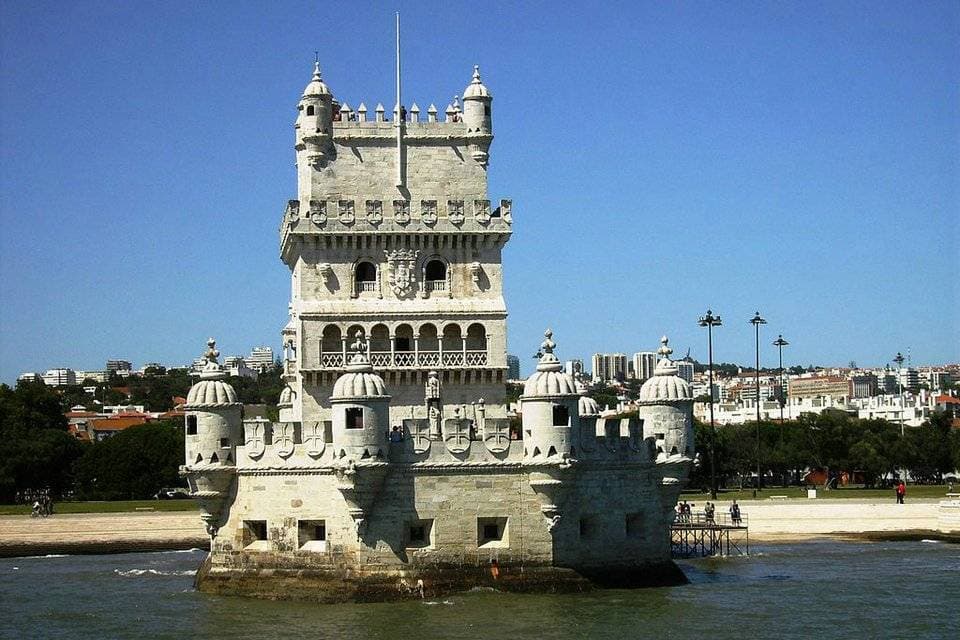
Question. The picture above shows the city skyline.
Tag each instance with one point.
(802, 150)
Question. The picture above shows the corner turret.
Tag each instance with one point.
(666, 407)
(214, 423)
(361, 409)
(314, 121)
(478, 116)
(551, 418)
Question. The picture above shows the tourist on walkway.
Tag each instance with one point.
(708, 512)
(901, 491)
(735, 513)
(395, 435)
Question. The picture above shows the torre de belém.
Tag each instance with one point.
(393, 470)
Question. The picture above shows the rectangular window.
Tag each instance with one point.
(312, 535)
(354, 418)
(224, 443)
(634, 525)
(492, 532)
(588, 527)
(191, 425)
(561, 416)
(255, 535)
(420, 534)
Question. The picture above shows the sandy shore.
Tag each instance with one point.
(101, 533)
(768, 520)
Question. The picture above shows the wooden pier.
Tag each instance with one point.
(695, 536)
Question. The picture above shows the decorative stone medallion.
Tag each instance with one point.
(313, 439)
(401, 264)
(318, 212)
(283, 438)
(401, 211)
(428, 211)
(374, 212)
(455, 211)
(255, 440)
(481, 211)
(294, 216)
(346, 212)
(456, 434)
(419, 431)
(496, 434)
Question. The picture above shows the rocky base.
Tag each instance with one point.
(338, 585)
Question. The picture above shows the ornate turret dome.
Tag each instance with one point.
(317, 87)
(211, 390)
(587, 406)
(549, 379)
(476, 89)
(665, 385)
(359, 381)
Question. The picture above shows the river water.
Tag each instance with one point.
(820, 589)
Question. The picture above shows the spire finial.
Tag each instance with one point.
(212, 354)
(476, 74)
(316, 69)
(665, 349)
(548, 345)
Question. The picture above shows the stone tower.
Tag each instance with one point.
(393, 235)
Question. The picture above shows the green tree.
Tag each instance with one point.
(134, 464)
(36, 451)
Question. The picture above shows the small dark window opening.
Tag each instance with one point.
(310, 110)
(256, 529)
(491, 532)
(224, 443)
(436, 270)
(214, 458)
(310, 530)
(191, 425)
(366, 272)
(486, 110)
(354, 417)
(561, 416)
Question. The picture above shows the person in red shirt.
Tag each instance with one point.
(901, 491)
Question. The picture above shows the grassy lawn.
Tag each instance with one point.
(854, 493)
(104, 507)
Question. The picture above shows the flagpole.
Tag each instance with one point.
(398, 116)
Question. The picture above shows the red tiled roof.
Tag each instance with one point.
(946, 400)
(81, 414)
(117, 424)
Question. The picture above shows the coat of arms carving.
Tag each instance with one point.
(255, 440)
(496, 434)
(313, 439)
(428, 211)
(456, 434)
(318, 212)
(401, 211)
(283, 438)
(481, 211)
(346, 212)
(455, 211)
(401, 263)
(419, 430)
(374, 212)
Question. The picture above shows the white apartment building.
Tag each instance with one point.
(644, 362)
(609, 366)
(260, 359)
(60, 377)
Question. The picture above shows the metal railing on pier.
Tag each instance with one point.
(697, 535)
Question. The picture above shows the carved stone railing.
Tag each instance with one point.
(435, 285)
(411, 360)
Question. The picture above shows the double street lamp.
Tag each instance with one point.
(756, 321)
(780, 343)
(899, 360)
(710, 321)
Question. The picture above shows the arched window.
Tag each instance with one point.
(436, 270)
(310, 110)
(365, 277)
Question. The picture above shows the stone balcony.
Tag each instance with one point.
(410, 360)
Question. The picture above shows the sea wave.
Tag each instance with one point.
(153, 572)
(49, 555)
(193, 550)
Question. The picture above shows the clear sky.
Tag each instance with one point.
(800, 158)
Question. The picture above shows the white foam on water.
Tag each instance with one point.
(931, 541)
(194, 550)
(432, 602)
(153, 572)
(50, 555)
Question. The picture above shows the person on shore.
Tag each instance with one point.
(708, 512)
(901, 492)
(735, 513)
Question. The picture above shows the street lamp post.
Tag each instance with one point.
(780, 343)
(710, 321)
(899, 360)
(756, 321)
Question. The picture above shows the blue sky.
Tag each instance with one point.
(802, 159)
